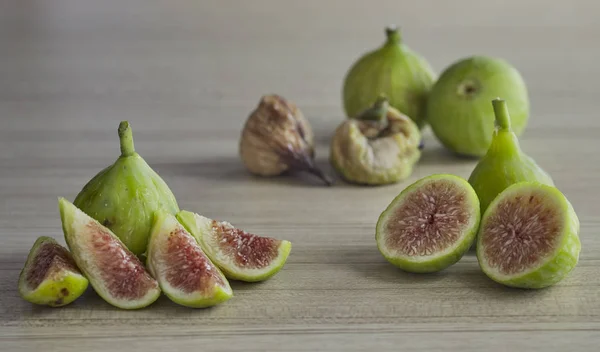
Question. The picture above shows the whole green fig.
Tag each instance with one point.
(458, 106)
(394, 70)
(125, 195)
(505, 163)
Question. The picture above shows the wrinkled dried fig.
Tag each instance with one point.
(378, 146)
(277, 138)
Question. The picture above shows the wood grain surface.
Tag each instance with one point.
(186, 74)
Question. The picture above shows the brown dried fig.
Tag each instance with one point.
(278, 138)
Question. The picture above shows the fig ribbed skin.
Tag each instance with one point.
(124, 196)
(395, 70)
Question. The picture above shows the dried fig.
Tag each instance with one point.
(378, 146)
(278, 138)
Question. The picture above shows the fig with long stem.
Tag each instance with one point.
(504, 163)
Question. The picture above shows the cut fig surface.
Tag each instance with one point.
(430, 224)
(529, 236)
(185, 274)
(115, 273)
(50, 276)
(241, 255)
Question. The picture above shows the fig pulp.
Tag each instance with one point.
(241, 255)
(380, 146)
(124, 196)
(394, 70)
(430, 224)
(50, 276)
(529, 237)
(505, 163)
(115, 273)
(458, 107)
(184, 272)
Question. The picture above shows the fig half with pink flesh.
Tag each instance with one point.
(529, 237)
(185, 274)
(430, 224)
(241, 255)
(115, 273)
(50, 276)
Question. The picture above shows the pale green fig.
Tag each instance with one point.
(458, 107)
(504, 163)
(50, 276)
(184, 272)
(529, 237)
(115, 273)
(394, 70)
(379, 146)
(124, 196)
(430, 225)
(240, 255)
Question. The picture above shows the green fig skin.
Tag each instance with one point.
(504, 163)
(124, 196)
(555, 266)
(395, 70)
(458, 107)
(62, 283)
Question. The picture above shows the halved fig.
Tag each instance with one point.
(241, 255)
(115, 273)
(529, 237)
(183, 271)
(430, 224)
(50, 276)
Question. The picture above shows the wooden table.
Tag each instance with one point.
(187, 73)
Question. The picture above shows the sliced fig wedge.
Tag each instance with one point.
(241, 255)
(430, 224)
(115, 273)
(529, 237)
(50, 276)
(185, 274)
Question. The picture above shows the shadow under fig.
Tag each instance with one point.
(439, 155)
(229, 169)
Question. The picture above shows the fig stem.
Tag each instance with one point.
(377, 112)
(501, 113)
(320, 174)
(126, 139)
(393, 34)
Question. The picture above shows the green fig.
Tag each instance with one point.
(379, 146)
(529, 237)
(124, 196)
(50, 276)
(430, 225)
(505, 163)
(392, 69)
(458, 107)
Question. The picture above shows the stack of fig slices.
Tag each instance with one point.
(525, 230)
(127, 213)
